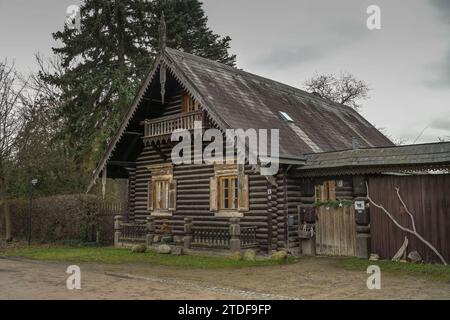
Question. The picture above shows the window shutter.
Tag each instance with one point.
(332, 190)
(213, 194)
(150, 196)
(243, 193)
(173, 195)
(317, 194)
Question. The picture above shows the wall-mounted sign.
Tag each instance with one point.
(359, 205)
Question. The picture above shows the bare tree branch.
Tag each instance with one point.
(411, 231)
(344, 90)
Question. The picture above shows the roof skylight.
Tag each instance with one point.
(286, 117)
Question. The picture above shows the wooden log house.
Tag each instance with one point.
(326, 151)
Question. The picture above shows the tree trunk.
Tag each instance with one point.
(7, 215)
(4, 203)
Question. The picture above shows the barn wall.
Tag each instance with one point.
(427, 198)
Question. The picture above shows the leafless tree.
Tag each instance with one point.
(413, 229)
(11, 89)
(345, 89)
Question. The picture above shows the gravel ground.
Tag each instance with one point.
(311, 278)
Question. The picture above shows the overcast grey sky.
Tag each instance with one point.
(406, 63)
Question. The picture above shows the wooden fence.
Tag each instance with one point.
(428, 199)
(105, 213)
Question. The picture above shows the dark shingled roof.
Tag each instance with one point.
(418, 154)
(244, 100)
(235, 99)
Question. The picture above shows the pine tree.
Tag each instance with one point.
(105, 61)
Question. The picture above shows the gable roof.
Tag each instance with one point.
(240, 100)
(244, 100)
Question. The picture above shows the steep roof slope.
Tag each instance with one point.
(240, 100)
(244, 100)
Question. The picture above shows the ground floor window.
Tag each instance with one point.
(228, 193)
(161, 194)
(162, 190)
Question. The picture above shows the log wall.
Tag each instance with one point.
(193, 191)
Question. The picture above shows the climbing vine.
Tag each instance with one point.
(334, 203)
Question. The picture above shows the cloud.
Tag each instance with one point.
(443, 9)
(441, 123)
(282, 58)
(312, 46)
(441, 80)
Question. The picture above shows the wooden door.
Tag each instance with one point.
(336, 231)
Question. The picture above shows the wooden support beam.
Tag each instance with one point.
(129, 133)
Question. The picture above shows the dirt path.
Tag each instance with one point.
(311, 278)
(44, 280)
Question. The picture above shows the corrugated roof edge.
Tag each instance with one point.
(383, 147)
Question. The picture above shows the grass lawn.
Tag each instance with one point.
(432, 271)
(118, 256)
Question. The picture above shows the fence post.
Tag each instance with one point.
(187, 233)
(117, 230)
(235, 235)
(150, 230)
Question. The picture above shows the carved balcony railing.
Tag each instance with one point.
(248, 237)
(165, 126)
(211, 237)
(131, 233)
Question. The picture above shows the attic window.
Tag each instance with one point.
(285, 116)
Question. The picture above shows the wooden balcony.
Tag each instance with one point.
(165, 126)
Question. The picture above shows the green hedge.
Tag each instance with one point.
(59, 218)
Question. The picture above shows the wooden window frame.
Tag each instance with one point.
(227, 172)
(156, 204)
(325, 191)
(162, 174)
(231, 193)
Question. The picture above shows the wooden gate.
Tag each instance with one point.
(336, 231)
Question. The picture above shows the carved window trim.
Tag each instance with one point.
(227, 172)
(162, 174)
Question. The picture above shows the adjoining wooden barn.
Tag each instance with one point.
(327, 153)
(412, 183)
